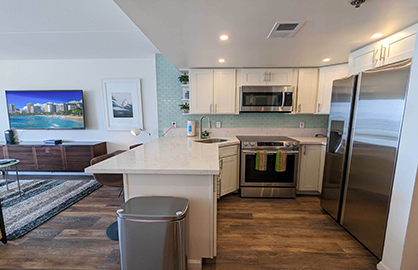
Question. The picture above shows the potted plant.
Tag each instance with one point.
(184, 78)
(185, 107)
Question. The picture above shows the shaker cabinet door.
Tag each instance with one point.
(201, 88)
(224, 91)
(307, 90)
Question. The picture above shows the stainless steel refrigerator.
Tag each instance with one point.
(363, 137)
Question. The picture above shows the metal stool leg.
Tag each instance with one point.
(6, 176)
(18, 181)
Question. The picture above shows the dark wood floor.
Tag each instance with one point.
(252, 234)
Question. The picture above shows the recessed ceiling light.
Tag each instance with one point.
(377, 35)
(224, 37)
(221, 60)
(326, 60)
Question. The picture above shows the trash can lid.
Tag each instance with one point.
(154, 208)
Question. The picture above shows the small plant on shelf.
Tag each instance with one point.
(184, 78)
(185, 107)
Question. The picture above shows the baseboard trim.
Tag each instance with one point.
(194, 264)
(382, 266)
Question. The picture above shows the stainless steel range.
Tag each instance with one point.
(269, 183)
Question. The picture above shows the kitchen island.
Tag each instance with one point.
(179, 167)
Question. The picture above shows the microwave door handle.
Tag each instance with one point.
(283, 96)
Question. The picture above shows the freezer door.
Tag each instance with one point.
(338, 130)
(376, 131)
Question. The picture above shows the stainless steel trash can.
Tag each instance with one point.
(152, 233)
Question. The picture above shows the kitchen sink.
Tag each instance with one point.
(211, 140)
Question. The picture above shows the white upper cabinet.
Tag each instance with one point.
(212, 91)
(201, 91)
(399, 46)
(327, 75)
(224, 91)
(278, 76)
(394, 48)
(253, 76)
(307, 90)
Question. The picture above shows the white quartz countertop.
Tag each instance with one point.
(310, 140)
(166, 155)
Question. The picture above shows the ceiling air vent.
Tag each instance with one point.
(284, 29)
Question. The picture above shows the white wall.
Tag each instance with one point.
(401, 242)
(86, 75)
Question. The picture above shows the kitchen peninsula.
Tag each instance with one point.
(179, 167)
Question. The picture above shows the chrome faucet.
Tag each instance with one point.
(200, 125)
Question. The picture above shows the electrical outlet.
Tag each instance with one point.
(218, 124)
(301, 124)
(174, 123)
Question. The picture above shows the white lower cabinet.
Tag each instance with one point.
(311, 168)
(229, 170)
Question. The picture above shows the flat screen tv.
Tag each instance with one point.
(45, 109)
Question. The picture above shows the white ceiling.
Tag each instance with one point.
(69, 29)
(187, 31)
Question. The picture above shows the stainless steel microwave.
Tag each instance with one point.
(266, 99)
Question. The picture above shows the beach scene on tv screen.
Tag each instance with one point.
(45, 109)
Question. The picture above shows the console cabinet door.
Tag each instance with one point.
(77, 157)
(229, 174)
(311, 170)
(201, 90)
(224, 91)
(307, 90)
(49, 158)
(25, 154)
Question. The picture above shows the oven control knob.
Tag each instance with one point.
(252, 143)
(295, 144)
(245, 143)
(287, 144)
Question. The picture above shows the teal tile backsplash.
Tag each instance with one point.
(169, 94)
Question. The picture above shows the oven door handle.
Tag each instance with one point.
(270, 152)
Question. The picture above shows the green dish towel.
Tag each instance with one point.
(281, 161)
(261, 161)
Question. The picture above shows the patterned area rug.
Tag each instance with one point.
(42, 200)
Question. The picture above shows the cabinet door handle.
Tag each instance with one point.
(269, 76)
(319, 107)
(304, 150)
(221, 164)
(382, 53)
(299, 107)
(216, 107)
(376, 57)
(210, 108)
(265, 76)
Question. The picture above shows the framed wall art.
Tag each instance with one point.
(123, 103)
